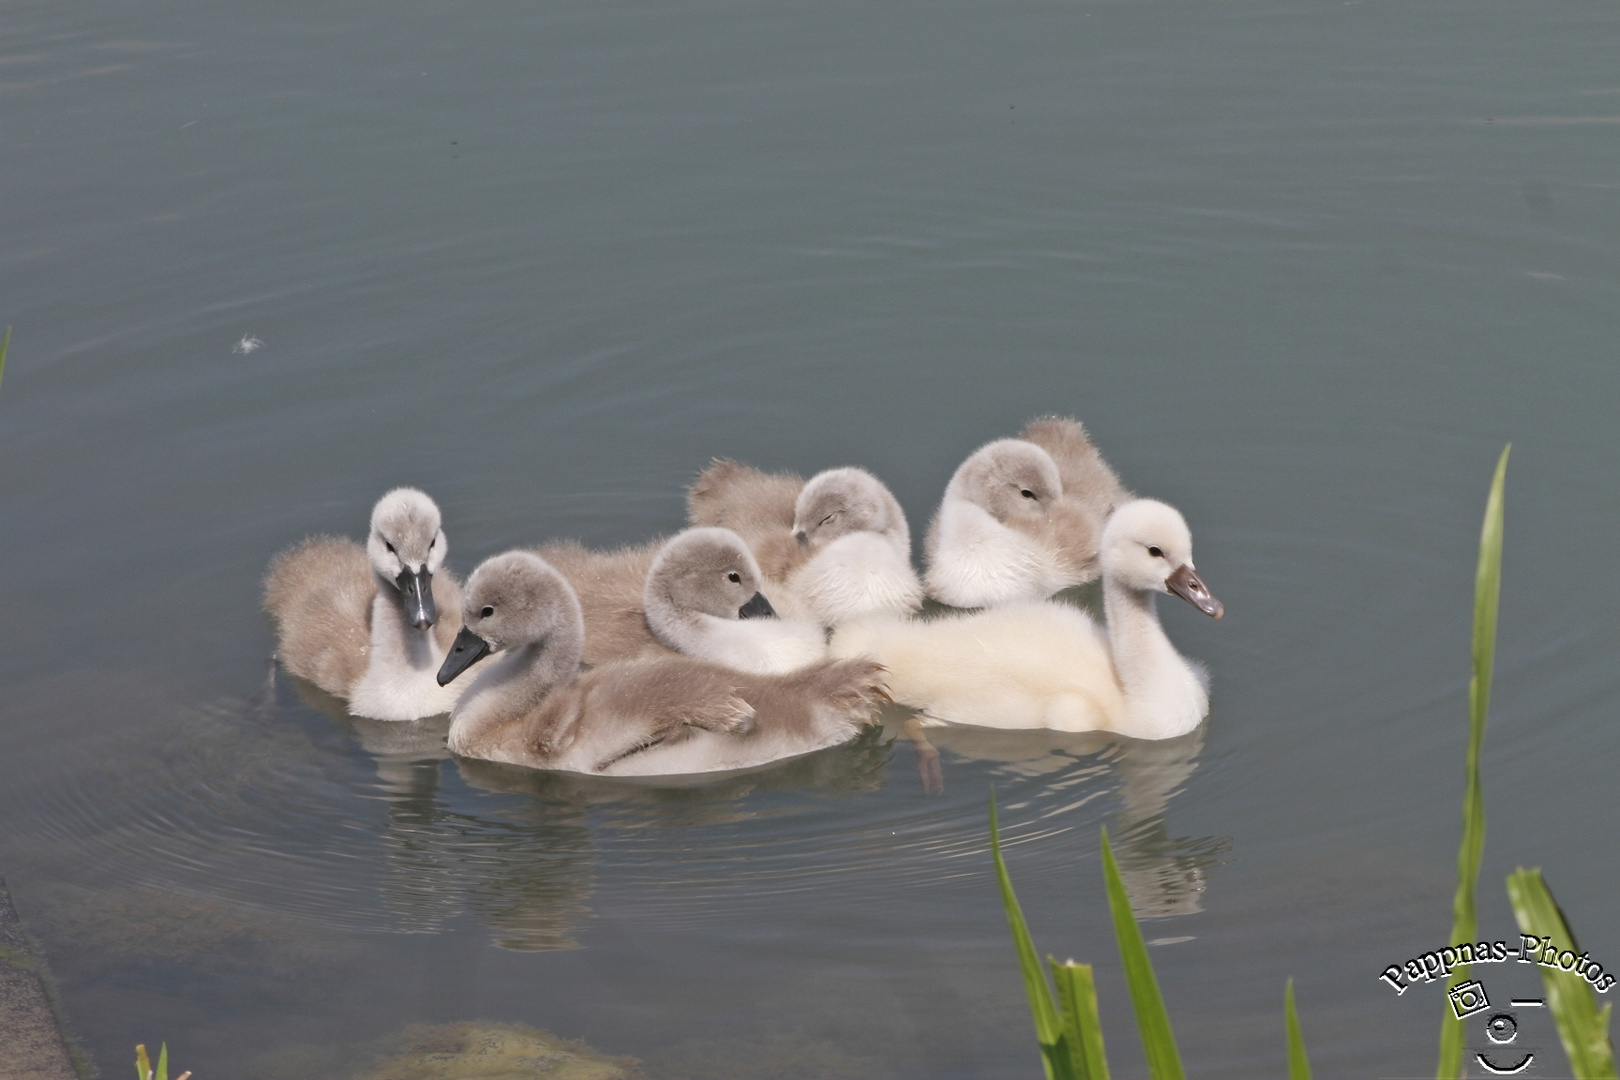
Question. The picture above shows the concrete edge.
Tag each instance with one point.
(32, 1027)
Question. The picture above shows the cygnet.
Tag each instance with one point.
(1088, 480)
(703, 599)
(839, 544)
(859, 545)
(1043, 664)
(530, 705)
(363, 623)
(998, 535)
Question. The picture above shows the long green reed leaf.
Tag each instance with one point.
(163, 1062)
(1082, 1029)
(1465, 918)
(1299, 1066)
(1582, 1026)
(1048, 1030)
(143, 1064)
(1158, 1041)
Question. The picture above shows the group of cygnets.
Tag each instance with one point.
(777, 624)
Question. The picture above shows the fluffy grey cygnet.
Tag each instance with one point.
(364, 623)
(530, 705)
(1047, 664)
(756, 505)
(860, 545)
(1089, 482)
(703, 598)
(839, 544)
(1010, 529)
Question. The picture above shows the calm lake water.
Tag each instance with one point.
(1303, 268)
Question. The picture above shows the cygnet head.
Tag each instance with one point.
(406, 547)
(1147, 547)
(1014, 480)
(705, 570)
(512, 600)
(838, 502)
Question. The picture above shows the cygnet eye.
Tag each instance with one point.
(1155, 552)
(487, 612)
(828, 518)
(390, 548)
(431, 542)
(1026, 493)
(734, 577)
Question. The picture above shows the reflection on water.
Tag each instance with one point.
(1165, 875)
(523, 858)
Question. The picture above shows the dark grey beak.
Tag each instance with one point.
(468, 649)
(1191, 588)
(802, 537)
(417, 592)
(757, 608)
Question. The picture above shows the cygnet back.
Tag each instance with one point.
(1087, 478)
(610, 586)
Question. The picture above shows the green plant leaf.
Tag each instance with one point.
(1082, 1030)
(1465, 919)
(1048, 1031)
(163, 1062)
(1583, 1027)
(1158, 1041)
(1299, 1066)
(143, 1064)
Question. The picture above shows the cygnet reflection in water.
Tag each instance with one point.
(1164, 875)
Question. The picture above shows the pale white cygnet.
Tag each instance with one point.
(993, 540)
(530, 704)
(703, 599)
(859, 545)
(1043, 664)
(1022, 518)
(363, 623)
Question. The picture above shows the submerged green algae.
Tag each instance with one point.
(486, 1051)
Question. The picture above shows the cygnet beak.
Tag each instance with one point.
(757, 608)
(802, 537)
(417, 590)
(468, 649)
(1191, 588)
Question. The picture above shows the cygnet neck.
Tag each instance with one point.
(681, 630)
(1163, 693)
(393, 635)
(515, 681)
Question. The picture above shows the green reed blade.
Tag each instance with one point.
(163, 1062)
(143, 1064)
(1465, 919)
(1583, 1027)
(1082, 1030)
(1048, 1031)
(1299, 1066)
(1158, 1041)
